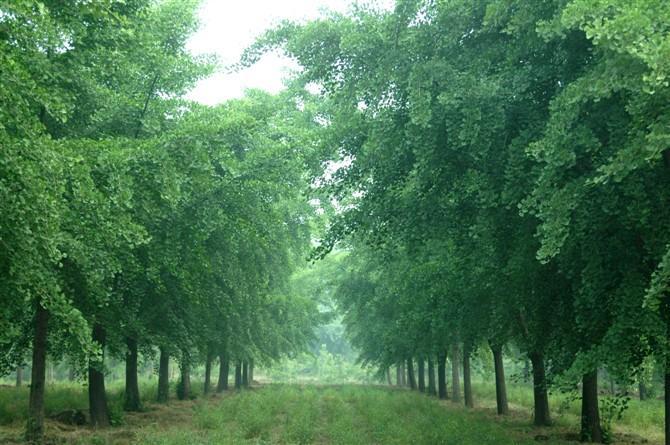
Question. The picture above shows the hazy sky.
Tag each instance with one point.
(228, 26)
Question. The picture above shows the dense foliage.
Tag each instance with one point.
(133, 221)
(504, 179)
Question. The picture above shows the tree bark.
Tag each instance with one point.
(398, 379)
(591, 430)
(251, 372)
(422, 375)
(184, 389)
(35, 423)
(501, 390)
(132, 394)
(245, 374)
(467, 381)
(388, 376)
(540, 396)
(224, 368)
(208, 372)
(410, 373)
(403, 374)
(431, 377)
(97, 398)
(642, 388)
(442, 375)
(163, 376)
(19, 376)
(238, 375)
(455, 375)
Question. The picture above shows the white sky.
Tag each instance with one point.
(228, 26)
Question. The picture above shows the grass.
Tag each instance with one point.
(294, 414)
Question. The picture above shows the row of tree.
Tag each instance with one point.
(504, 177)
(133, 221)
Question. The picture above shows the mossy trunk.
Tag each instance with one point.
(432, 390)
(467, 380)
(540, 396)
(455, 374)
(132, 391)
(97, 397)
(422, 375)
(501, 391)
(591, 430)
(442, 375)
(35, 423)
(163, 376)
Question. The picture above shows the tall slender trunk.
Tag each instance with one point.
(71, 374)
(251, 372)
(591, 430)
(455, 374)
(238, 375)
(403, 373)
(208, 372)
(431, 377)
(667, 401)
(97, 398)
(245, 374)
(540, 396)
(442, 375)
(19, 376)
(398, 378)
(422, 375)
(410, 373)
(467, 381)
(35, 423)
(184, 388)
(501, 390)
(163, 376)
(642, 388)
(388, 376)
(132, 394)
(224, 368)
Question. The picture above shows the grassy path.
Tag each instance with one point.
(293, 414)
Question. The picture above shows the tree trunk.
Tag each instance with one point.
(431, 377)
(184, 388)
(238, 375)
(19, 376)
(163, 376)
(422, 375)
(442, 375)
(410, 373)
(251, 372)
(642, 388)
(667, 401)
(501, 391)
(398, 378)
(245, 374)
(403, 374)
(467, 381)
(455, 375)
(224, 368)
(35, 423)
(71, 374)
(97, 398)
(132, 395)
(540, 396)
(208, 372)
(388, 376)
(591, 430)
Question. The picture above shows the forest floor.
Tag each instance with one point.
(308, 414)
